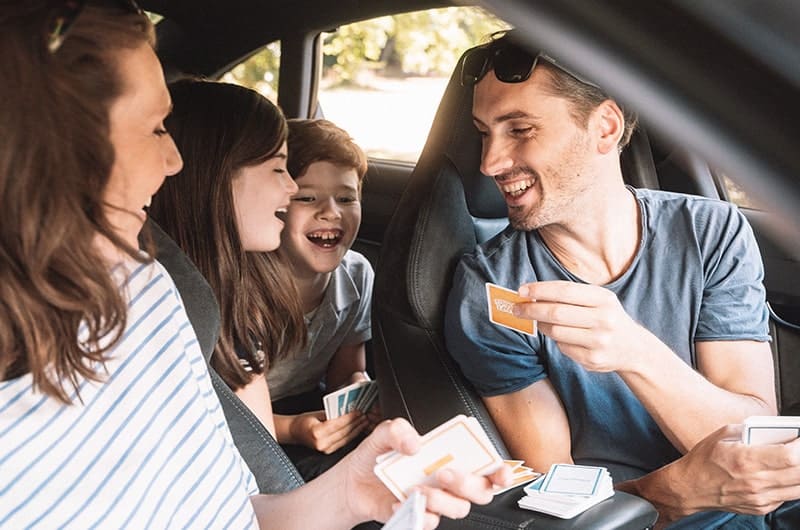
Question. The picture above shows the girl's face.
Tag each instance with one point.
(144, 153)
(260, 192)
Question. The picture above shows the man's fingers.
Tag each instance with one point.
(578, 294)
(557, 313)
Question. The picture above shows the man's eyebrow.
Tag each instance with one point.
(513, 115)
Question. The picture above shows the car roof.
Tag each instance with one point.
(719, 78)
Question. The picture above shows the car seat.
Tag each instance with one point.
(273, 470)
(447, 208)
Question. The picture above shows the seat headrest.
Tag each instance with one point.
(462, 146)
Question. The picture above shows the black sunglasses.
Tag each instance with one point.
(69, 11)
(510, 63)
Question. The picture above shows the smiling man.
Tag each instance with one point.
(633, 363)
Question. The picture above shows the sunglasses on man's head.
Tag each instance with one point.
(69, 11)
(510, 64)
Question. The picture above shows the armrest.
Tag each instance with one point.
(622, 511)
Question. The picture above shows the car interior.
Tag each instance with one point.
(419, 218)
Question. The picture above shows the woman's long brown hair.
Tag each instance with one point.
(55, 161)
(219, 129)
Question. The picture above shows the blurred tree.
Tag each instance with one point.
(418, 43)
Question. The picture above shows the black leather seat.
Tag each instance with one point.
(447, 208)
(273, 470)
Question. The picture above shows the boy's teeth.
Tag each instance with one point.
(281, 210)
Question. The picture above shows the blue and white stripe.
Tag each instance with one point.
(147, 446)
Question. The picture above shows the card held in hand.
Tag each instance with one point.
(410, 515)
(460, 444)
(501, 301)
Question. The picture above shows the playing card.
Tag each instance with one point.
(501, 301)
(410, 515)
(763, 430)
(459, 444)
(342, 401)
(569, 479)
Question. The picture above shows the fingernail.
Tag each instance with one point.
(516, 310)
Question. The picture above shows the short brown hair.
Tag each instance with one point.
(320, 140)
(584, 96)
(56, 158)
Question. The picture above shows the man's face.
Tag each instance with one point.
(540, 159)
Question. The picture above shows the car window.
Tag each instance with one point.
(382, 78)
(259, 71)
(738, 196)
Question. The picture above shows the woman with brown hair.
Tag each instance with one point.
(107, 414)
(225, 209)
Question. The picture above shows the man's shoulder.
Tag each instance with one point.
(666, 206)
(507, 240)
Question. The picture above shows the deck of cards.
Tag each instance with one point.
(358, 396)
(522, 474)
(763, 430)
(567, 490)
(501, 302)
(459, 443)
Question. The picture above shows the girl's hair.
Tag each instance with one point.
(319, 140)
(219, 129)
(55, 160)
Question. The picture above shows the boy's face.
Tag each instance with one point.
(323, 218)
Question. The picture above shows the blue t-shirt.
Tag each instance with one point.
(697, 276)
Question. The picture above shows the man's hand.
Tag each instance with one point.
(722, 473)
(312, 430)
(369, 498)
(587, 322)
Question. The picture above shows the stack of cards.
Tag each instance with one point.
(459, 443)
(501, 302)
(410, 515)
(522, 475)
(358, 396)
(567, 490)
(762, 430)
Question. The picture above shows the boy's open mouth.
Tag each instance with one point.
(326, 238)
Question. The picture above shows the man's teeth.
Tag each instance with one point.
(516, 188)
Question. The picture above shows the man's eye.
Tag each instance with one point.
(521, 131)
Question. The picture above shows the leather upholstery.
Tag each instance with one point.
(273, 470)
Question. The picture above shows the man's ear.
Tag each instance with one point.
(609, 122)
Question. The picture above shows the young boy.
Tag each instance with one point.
(335, 288)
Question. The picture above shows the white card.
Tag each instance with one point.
(567, 479)
(458, 444)
(410, 515)
(763, 430)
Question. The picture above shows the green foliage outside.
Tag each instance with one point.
(413, 44)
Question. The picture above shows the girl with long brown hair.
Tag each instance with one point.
(224, 210)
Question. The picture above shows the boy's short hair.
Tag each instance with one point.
(318, 140)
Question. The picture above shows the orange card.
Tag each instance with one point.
(501, 301)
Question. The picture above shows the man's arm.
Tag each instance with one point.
(533, 425)
(721, 472)
(350, 492)
(735, 378)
